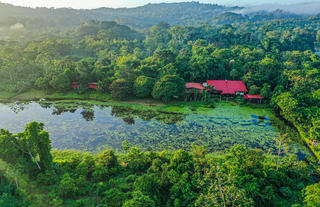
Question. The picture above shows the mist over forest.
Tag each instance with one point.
(15, 19)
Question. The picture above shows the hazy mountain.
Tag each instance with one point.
(144, 16)
(307, 8)
(31, 22)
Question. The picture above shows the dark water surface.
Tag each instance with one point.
(93, 128)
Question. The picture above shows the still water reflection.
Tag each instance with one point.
(93, 127)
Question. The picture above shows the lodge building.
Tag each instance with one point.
(76, 85)
(223, 88)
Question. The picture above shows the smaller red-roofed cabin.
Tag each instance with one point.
(254, 97)
(93, 85)
(75, 85)
(192, 87)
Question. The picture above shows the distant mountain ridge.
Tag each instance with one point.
(43, 20)
(142, 17)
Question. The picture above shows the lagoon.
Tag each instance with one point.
(88, 127)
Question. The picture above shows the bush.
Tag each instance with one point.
(143, 86)
(139, 200)
(312, 195)
(106, 165)
(169, 87)
(67, 187)
(61, 83)
(253, 90)
(315, 130)
(120, 89)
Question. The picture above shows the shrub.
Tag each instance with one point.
(143, 86)
(169, 87)
(120, 89)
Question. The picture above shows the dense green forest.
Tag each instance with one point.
(136, 178)
(273, 53)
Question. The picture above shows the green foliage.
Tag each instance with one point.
(61, 83)
(312, 195)
(169, 87)
(120, 89)
(106, 165)
(149, 186)
(33, 143)
(266, 91)
(253, 89)
(315, 131)
(36, 141)
(10, 196)
(43, 83)
(173, 178)
(143, 86)
(67, 187)
(139, 200)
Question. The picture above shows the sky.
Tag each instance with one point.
(89, 4)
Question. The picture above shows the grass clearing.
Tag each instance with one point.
(4, 95)
(73, 95)
(32, 94)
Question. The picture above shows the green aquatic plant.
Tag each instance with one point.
(89, 127)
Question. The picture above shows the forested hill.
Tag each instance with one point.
(171, 13)
(141, 17)
(185, 13)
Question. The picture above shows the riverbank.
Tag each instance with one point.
(35, 95)
(96, 98)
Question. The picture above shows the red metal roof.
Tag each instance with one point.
(228, 87)
(253, 97)
(75, 85)
(93, 85)
(195, 85)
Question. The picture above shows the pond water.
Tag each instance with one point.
(93, 128)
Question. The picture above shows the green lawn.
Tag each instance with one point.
(32, 94)
(4, 95)
(74, 95)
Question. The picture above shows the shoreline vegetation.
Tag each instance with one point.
(75, 178)
(98, 98)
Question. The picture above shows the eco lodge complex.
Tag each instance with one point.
(223, 88)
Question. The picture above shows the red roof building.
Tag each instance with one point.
(228, 87)
(75, 85)
(198, 86)
(93, 85)
(253, 97)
